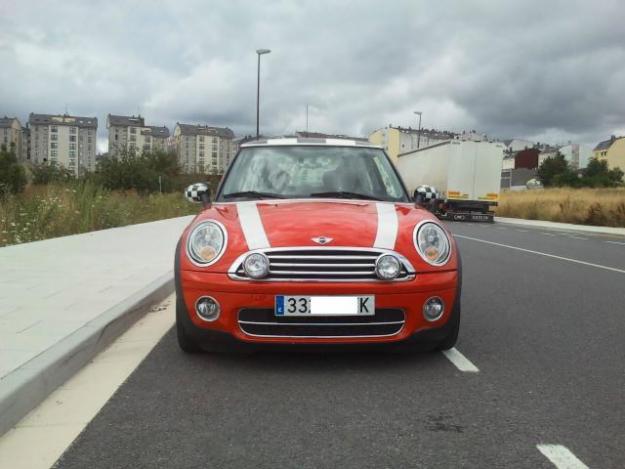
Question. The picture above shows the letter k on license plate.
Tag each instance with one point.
(325, 305)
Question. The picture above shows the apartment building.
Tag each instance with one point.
(11, 135)
(204, 149)
(612, 151)
(69, 141)
(130, 133)
(396, 140)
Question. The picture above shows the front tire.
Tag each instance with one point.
(452, 337)
(185, 341)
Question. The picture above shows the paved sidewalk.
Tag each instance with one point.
(51, 289)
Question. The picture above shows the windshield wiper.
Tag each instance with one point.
(344, 195)
(252, 194)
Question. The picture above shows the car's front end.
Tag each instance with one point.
(316, 270)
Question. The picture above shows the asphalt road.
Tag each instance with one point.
(547, 334)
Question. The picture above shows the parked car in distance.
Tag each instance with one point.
(314, 242)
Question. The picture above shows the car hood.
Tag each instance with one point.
(299, 223)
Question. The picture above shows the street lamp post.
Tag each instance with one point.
(259, 52)
(418, 131)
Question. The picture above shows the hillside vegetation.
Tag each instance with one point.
(603, 207)
(60, 209)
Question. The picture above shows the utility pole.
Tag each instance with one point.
(418, 131)
(259, 52)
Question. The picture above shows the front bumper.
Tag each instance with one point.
(235, 296)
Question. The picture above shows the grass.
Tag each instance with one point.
(43, 212)
(601, 207)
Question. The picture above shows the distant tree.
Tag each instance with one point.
(555, 171)
(597, 174)
(45, 173)
(12, 174)
(129, 170)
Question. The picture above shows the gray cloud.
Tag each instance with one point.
(543, 70)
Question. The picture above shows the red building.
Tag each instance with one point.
(527, 158)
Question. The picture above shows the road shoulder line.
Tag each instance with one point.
(561, 457)
(24, 388)
(460, 361)
(568, 259)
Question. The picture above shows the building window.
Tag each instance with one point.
(133, 138)
(53, 145)
(72, 138)
(54, 137)
(72, 130)
(54, 129)
(133, 130)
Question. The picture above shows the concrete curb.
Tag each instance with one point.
(607, 230)
(23, 389)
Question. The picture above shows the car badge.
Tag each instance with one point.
(322, 240)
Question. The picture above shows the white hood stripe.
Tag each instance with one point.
(387, 226)
(252, 226)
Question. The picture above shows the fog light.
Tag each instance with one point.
(387, 267)
(207, 308)
(256, 265)
(433, 309)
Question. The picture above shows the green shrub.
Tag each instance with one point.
(12, 174)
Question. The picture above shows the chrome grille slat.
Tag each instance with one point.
(283, 264)
(372, 257)
(329, 264)
(264, 323)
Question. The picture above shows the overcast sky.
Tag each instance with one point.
(545, 70)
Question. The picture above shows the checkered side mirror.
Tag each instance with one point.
(198, 193)
(424, 194)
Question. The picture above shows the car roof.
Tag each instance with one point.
(300, 141)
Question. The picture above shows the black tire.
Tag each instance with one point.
(452, 337)
(185, 341)
(454, 323)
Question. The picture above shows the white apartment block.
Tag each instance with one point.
(11, 135)
(204, 149)
(69, 141)
(131, 133)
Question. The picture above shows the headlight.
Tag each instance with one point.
(387, 267)
(432, 244)
(256, 265)
(206, 243)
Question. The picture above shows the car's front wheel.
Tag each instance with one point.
(185, 341)
(449, 341)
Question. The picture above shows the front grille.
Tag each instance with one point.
(322, 264)
(264, 323)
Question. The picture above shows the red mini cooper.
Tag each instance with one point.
(314, 242)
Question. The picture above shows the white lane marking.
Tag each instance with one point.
(577, 237)
(58, 420)
(547, 234)
(561, 457)
(460, 361)
(252, 225)
(387, 226)
(501, 227)
(521, 230)
(553, 256)
(616, 242)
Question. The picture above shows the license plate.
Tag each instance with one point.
(325, 305)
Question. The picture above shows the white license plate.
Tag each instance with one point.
(325, 305)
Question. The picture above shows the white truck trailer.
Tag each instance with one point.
(465, 174)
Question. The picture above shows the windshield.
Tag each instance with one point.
(312, 172)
